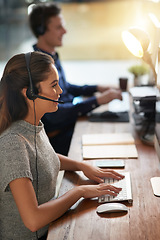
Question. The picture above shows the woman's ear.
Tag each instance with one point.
(24, 90)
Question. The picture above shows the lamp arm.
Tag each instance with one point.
(147, 58)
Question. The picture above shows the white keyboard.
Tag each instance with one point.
(124, 195)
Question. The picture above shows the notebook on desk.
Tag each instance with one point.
(109, 151)
(109, 145)
(107, 139)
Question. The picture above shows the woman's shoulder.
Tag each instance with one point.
(12, 134)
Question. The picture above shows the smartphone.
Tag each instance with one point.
(110, 163)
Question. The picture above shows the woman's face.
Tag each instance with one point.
(50, 88)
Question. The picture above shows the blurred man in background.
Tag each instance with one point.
(47, 24)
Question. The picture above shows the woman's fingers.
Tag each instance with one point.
(109, 189)
(111, 174)
(90, 191)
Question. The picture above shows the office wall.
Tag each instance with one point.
(94, 28)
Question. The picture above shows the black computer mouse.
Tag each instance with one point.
(108, 114)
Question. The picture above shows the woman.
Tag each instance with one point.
(29, 166)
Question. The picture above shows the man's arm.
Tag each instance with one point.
(68, 113)
(85, 90)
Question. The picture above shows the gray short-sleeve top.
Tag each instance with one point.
(25, 151)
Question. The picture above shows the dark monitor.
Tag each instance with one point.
(144, 106)
(157, 123)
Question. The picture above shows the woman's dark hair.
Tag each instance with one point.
(40, 15)
(13, 104)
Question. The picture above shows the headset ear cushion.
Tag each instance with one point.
(41, 30)
(32, 94)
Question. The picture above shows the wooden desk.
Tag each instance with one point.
(142, 222)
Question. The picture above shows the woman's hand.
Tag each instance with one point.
(91, 191)
(97, 174)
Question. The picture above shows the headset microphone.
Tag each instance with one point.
(48, 99)
(32, 91)
(34, 96)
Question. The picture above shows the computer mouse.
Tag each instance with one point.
(111, 207)
(108, 114)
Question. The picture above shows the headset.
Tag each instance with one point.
(32, 91)
(41, 28)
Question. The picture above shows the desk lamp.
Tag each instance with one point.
(137, 41)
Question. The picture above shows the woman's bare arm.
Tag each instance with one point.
(35, 217)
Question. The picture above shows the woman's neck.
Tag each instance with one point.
(33, 117)
(31, 121)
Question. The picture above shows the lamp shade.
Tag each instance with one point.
(136, 40)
